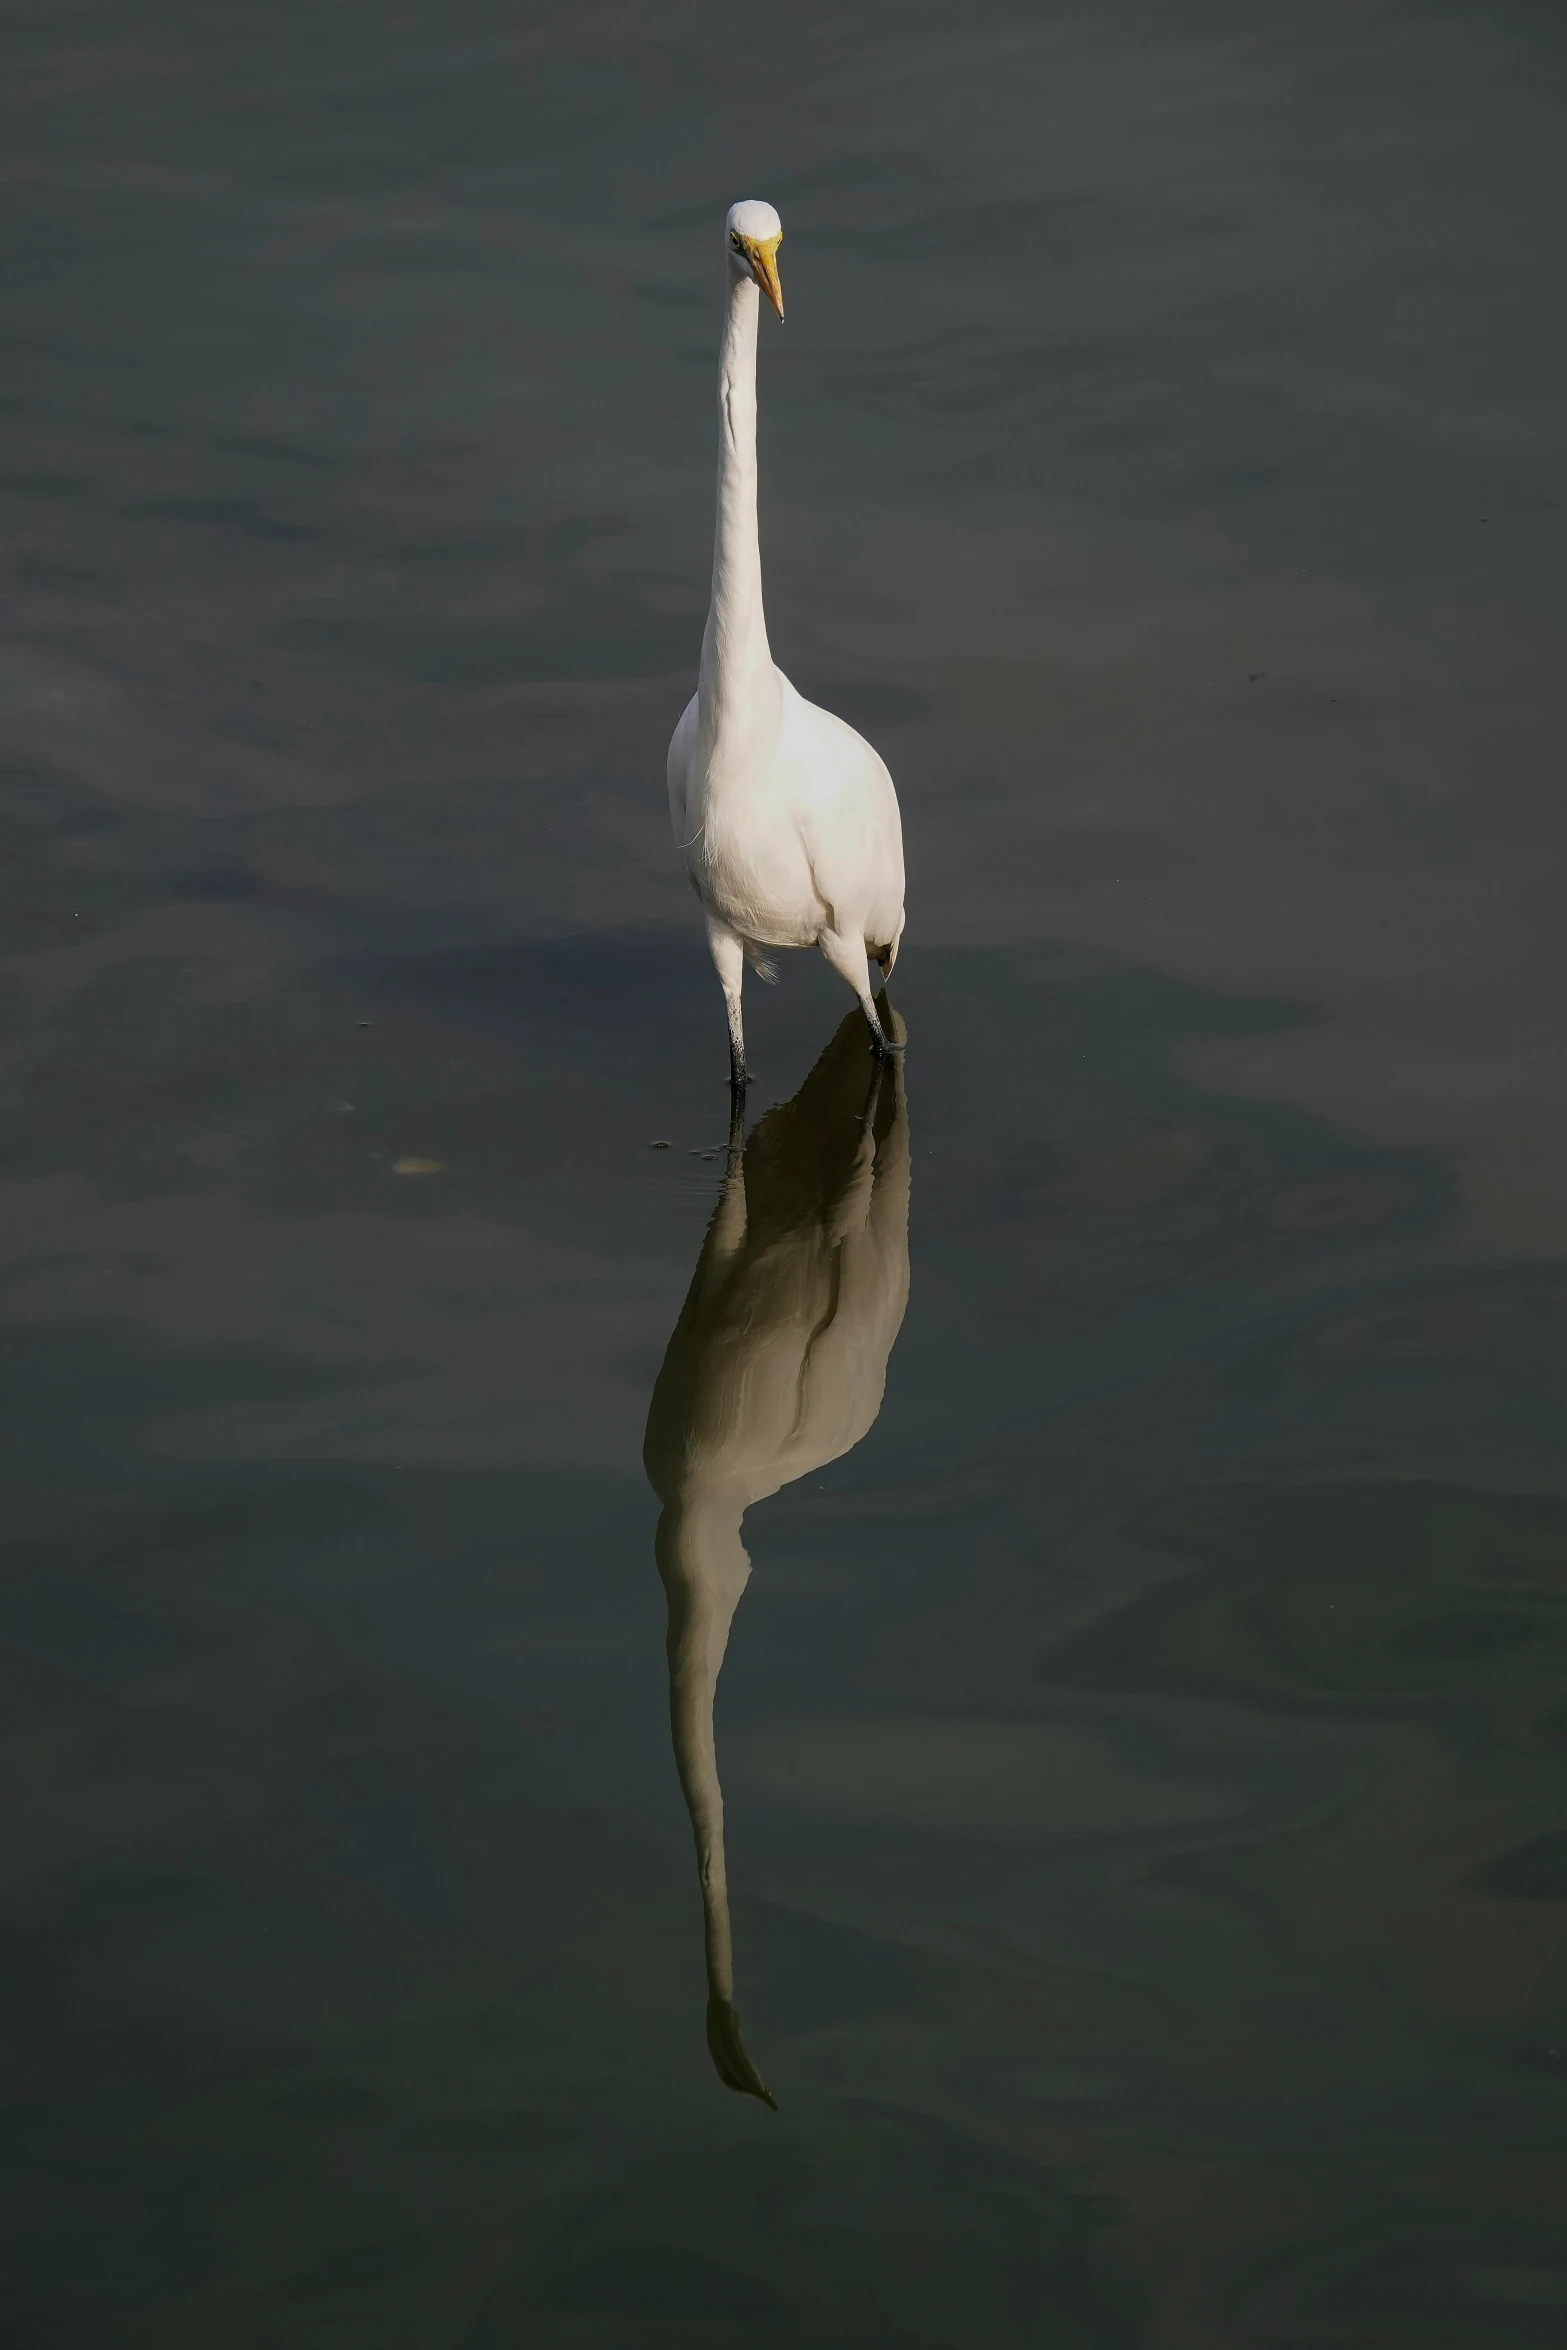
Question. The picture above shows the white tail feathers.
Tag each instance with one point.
(762, 965)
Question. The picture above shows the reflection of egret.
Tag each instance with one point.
(787, 820)
(776, 1365)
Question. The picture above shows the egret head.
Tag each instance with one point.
(755, 233)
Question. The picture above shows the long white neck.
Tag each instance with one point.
(737, 679)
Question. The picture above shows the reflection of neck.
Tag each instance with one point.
(737, 666)
(704, 1568)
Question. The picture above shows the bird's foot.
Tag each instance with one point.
(883, 1023)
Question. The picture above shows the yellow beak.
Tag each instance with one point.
(764, 268)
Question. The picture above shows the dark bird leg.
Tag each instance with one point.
(735, 1152)
(848, 958)
(729, 962)
(890, 1024)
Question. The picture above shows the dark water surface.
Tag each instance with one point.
(1146, 1751)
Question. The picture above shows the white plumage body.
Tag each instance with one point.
(786, 819)
(791, 831)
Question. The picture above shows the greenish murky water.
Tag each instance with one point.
(1143, 1739)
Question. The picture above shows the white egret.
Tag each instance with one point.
(786, 818)
(776, 1366)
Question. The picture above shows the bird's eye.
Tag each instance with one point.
(737, 240)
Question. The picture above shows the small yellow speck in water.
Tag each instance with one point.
(417, 1167)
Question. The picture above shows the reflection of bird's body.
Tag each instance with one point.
(776, 1366)
(787, 820)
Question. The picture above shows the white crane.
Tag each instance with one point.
(776, 1366)
(786, 818)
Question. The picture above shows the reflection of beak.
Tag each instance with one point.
(764, 268)
(731, 2055)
